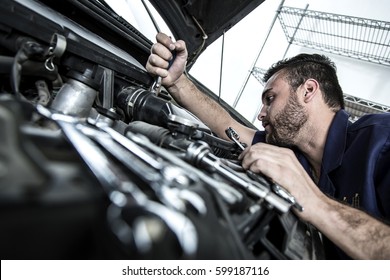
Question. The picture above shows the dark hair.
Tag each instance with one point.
(305, 66)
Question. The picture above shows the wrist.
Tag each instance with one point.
(180, 87)
(316, 206)
(181, 82)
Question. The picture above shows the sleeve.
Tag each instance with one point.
(259, 137)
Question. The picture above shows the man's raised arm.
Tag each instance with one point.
(186, 93)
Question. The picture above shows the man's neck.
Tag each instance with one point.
(312, 141)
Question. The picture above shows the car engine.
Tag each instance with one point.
(95, 165)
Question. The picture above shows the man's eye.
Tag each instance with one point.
(269, 99)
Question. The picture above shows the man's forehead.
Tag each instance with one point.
(281, 74)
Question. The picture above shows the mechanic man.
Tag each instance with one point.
(338, 171)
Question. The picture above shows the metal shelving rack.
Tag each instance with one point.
(359, 38)
(358, 107)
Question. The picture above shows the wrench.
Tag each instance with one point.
(121, 191)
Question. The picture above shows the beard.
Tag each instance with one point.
(287, 123)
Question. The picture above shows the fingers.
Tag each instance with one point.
(162, 51)
(282, 167)
(157, 66)
(158, 60)
(251, 155)
(158, 63)
(165, 40)
(268, 159)
(165, 46)
(180, 47)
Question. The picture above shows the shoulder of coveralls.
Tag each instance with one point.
(380, 120)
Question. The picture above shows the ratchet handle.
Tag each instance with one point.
(170, 62)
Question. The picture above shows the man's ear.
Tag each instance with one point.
(311, 88)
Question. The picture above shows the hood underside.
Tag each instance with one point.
(201, 22)
(198, 22)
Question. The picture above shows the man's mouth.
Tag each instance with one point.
(265, 124)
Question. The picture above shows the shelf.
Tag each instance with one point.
(360, 38)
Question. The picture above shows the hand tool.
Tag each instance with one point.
(233, 135)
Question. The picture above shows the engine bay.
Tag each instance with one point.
(95, 165)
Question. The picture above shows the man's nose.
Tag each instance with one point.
(263, 113)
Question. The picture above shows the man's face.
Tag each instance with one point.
(282, 114)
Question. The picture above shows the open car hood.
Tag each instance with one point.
(200, 22)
